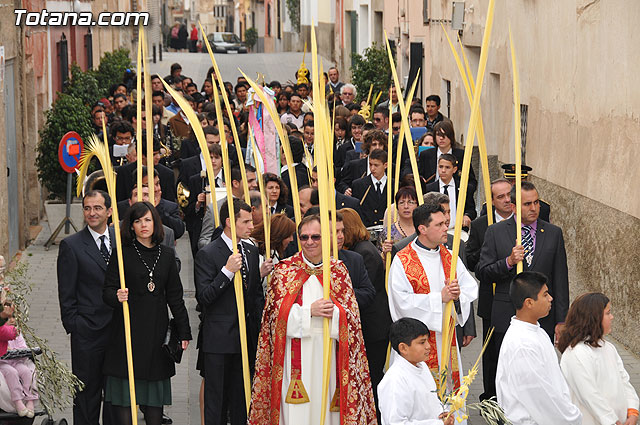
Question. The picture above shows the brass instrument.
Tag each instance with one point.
(183, 195)
(95, 181)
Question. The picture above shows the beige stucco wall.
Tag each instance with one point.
(577, 61)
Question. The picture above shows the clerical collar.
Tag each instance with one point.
(310, 264)
(417, 241)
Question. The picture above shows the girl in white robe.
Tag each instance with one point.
(593, 369)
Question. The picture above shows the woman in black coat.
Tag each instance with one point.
(428, 159)
(376, 318)
(152, 283)
(277, 195)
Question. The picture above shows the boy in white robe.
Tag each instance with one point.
(407, 393)
(530, 386)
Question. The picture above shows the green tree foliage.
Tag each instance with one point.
(293, 9)
(371, 68)
(112, 68)
(251, 37)
(68, 113)
(84, 86)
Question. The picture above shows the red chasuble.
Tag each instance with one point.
(355, 395)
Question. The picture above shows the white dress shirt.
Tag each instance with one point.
(451, 193)
(375, 181)
(96, 237)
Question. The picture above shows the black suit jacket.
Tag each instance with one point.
(81, 271)
(340, 156)
(469, 205)
(302, 178)
(215, 294)
(189, 167)
(344, 201)
(549, 258)
(189, 148)
(472, 250)
(376, 318)
(125, 181)
(352, 170)
(360, 281)
(284, 209)
(428, 168)
(372, 204)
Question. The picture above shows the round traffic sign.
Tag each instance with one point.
(69, 151)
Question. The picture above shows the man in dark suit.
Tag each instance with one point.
(542, 250)
(215, 268)
(82, 263)
(126, 174)
(372, 190)
(169, 211)
(302, 172)
(358, 168)
(501, 200)
(449, 185)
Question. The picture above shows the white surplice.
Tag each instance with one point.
(309, 329)
(599, 383)
(529, 383)
(428, 308)
(407, 395)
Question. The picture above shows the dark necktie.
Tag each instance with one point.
(245, 269)
(379, 189)
(527, 243)
(445, 189)
(103, 249)
(273, 210)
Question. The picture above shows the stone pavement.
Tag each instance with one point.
(45, 317)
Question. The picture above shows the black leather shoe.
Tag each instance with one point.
(166, 419)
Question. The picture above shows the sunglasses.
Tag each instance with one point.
(315, 238)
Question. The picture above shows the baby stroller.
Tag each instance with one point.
(8, 415)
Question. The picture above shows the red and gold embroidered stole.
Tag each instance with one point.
(354, 384)
(418, 278)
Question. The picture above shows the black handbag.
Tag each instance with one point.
(172, 344)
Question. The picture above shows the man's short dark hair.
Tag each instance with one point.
(308, 124)
(211, 130)
(314, 199)
(236, 174)
(155, 77)
(237, 87)
(433, 98)
(526, 186)
(238, 205)
(157, 93)
(120, 126)
(255, 198)
(274, 83)
(423, 214)
(526, 285)
(308, 218)
(192, 85)
(406, 330)
(356, 120)
(248, 168)
(381, 110)
(416, 109)
(119, 95)
(176, 66)
(297, 149)
(94, 193)
(315, 210)
(380, 155)
(449, 157)
(128, 112)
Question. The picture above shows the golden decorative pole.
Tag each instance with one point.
(139, 115)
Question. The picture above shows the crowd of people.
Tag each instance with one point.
(283, 300)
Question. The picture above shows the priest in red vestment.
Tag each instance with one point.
(287, 386)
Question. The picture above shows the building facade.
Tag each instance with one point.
(579, 123)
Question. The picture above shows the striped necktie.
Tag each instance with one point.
(527, 243)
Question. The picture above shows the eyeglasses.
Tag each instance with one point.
(123, 138)
(315, 238)
(407, 203)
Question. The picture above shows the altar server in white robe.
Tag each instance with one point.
(597, 379)
(530, 386)
(407, 393)
(418, 286)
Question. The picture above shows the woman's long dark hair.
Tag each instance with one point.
(584, 321)
(136, 211)
(284, 190)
